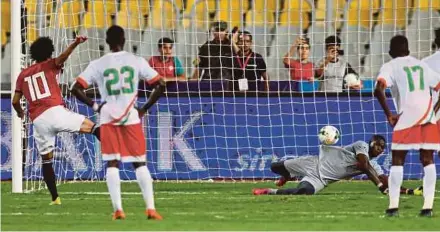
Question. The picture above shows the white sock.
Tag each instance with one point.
(394, 183)
(429, 181)
(146, 184)
(114, 187)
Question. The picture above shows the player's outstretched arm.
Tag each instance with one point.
(77, 90)
(59, 61)
(16, 104)
(154, 96)
(365, 166)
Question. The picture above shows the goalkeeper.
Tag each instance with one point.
(333, 164)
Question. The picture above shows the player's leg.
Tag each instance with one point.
(49, 177)
(145, 182)
(303, 188)
(280, 169)
(133, 150)
(395, 181)
(90, 127)
(44, 135)
(298, 167)
(110, 148)
(114, 188)
(73, 122)
(430, 144)
(429, 181)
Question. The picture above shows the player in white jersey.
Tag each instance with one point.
(332, 164)
(434, 62)
(117, 75)
(411, 82)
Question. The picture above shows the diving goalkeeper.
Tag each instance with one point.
(333, 164)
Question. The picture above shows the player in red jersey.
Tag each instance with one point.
(38, 84)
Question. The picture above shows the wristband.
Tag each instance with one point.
(95, 107)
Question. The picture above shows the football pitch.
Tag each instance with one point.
(213, 206)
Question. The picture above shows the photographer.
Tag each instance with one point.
(332, 69)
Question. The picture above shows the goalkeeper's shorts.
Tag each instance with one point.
(125, 143)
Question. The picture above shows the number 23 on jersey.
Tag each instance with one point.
(113, 77)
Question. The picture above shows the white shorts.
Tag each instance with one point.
(50, 122)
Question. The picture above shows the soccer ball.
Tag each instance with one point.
(352, 80)
(328, 135)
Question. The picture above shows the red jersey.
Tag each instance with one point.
(300, 71)
(38, 83)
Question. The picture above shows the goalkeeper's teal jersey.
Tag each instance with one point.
(336, 163)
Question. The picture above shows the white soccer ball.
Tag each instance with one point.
(328, 135)
(352, 80)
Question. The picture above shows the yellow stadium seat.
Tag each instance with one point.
(138, 6)
(394, 14)
(360, 12)
(163, 15)
(31, 7)
(99, 13)
(69, 15)
(232, 11)
(294, 13)
(132, 20)
(6, 15)
(31, 33)
(262, 13)
(132, 14)
(4, 38)
(201, 16)
(425, 4)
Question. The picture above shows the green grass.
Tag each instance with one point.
(212, 206)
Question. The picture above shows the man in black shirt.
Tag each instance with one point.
(248, 66)
(215, 56)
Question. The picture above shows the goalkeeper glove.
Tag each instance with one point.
(418, 191)
(382, 188)
(97, 107)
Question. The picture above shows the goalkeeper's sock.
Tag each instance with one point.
(429, 181)
(146, 184)
(114, 187)
(96, 131)
(49, 178)
(394, 184)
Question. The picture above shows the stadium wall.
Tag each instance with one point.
(222, 137)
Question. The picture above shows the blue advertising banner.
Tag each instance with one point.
(217, 137)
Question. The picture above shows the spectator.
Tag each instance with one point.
(248, 65)
(215, 56)
(332, 69)
(301, 68)
(167, 65)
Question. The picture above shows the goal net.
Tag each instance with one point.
(204, 127)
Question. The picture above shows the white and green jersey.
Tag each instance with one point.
(117, 76)
(337, 163)
(433, 61)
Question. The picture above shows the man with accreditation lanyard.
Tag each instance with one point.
(249, 67)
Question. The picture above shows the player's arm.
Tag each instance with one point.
(379, 92)
(82, 82)
(158, 90)
(77, 90)
(365, 166)
(16, 104)
(59, 61)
